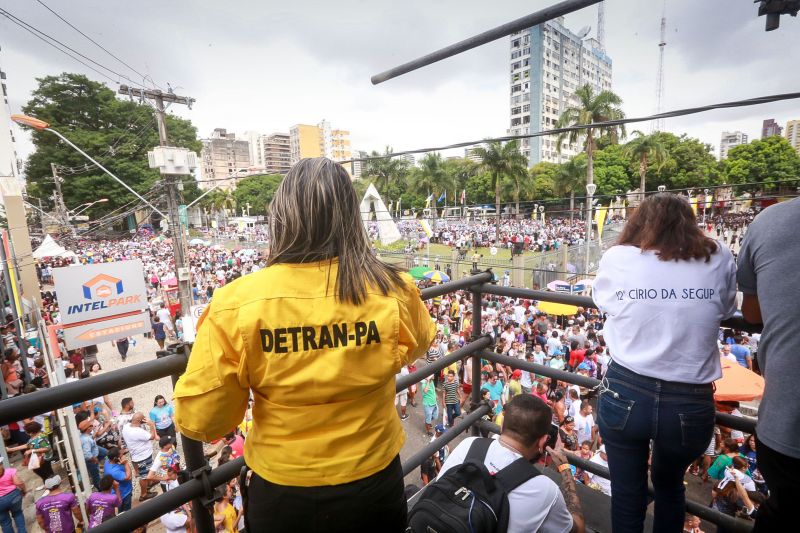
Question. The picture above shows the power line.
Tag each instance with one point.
(32, 29)
(608, 123)
(68, 23)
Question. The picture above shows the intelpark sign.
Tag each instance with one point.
(102, 302)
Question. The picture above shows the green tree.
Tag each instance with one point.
(501, 161)
(690, 164)
(385, 171)
(116, 132)
(543, 177)
(460, 171)
(645, 149)
(570, 177)
(431, 177)
(479, 189)
(611, 171)
(769, 160)
(591, 109)
(257, 191)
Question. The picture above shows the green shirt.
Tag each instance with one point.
(429, 396)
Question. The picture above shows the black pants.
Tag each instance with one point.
(781, 473)
(375, 503)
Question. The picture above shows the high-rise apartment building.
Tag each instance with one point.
(793, 134)
(769, 128)
(547, 64)
(9, 162)
(318, 141)
(275, 153)
(728, 140)
(225, 160)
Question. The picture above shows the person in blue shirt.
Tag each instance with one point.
(495, 389)
(92, 453)
(119, 468)
(162, 414)
(742, 352)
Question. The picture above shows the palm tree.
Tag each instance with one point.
(222, 200)
(570, 176)
(431, 177)
(646, 148)
(383, 171)
(518, 183)
(591, 108)
(501, 161)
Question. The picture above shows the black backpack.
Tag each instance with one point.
(468, 499)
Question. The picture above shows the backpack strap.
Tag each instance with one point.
(478, 450)
(517, 473)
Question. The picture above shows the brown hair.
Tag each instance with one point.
(665, 223)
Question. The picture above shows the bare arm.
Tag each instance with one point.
(569, 491)
(751, 309)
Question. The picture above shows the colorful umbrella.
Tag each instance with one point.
(436, 276)
(737, 384)
(418, 272)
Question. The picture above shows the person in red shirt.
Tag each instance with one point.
(236, 442)
(576, 355)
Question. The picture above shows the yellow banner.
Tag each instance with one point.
(600, 219)
(426, 228)
(693, 203)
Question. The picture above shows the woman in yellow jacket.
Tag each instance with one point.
(318, 337)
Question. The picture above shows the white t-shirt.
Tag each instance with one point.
(165, 318)
(175, 522)
(583, 426)
(663, 316)
(138, 442)
(600, 481)
(536, 505)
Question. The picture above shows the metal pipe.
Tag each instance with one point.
(456, 355)
(477, 328)
(548, 13)
(452, 286)
(45, 400)
(169, 501)
(413, 462)
(561, 375)
(742, 423)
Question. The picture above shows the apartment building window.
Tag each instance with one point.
(526, 51)
(515, 43)
(515, 110)
(515, 66)
(515, 55)
(526, 119)
(525, 62)
(526, 39)
(515, 122)
(526, 108)
(515, 88)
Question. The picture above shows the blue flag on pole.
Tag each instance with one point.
(441, 198)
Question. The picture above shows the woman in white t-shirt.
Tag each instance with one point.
(665, 288)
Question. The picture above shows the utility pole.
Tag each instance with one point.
(174, 192)
(61, 207)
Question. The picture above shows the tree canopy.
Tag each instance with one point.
(257, 191)
(116, 132)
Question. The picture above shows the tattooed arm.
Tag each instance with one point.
(569, 491)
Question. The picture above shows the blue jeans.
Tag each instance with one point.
(679, 420)
(11, 504)
(453, 412)
(431, 412)
(94, 468)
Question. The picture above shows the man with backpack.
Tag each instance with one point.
(492, 486)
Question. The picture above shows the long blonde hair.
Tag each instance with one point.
(315, 216)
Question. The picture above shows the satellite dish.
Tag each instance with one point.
(584, 32)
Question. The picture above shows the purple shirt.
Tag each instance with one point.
(101, 506)
(57, 512)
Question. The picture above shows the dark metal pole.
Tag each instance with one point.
(548, 13)
(21, 343)
(477, 329)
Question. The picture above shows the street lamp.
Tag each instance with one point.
(705, 205)
(541, 212)
(41, 125)
(591, 188)
(662, 188)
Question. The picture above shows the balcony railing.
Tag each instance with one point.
(200, 479)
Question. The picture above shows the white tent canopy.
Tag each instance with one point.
(50, 248)
(387, 229)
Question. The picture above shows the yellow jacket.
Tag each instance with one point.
(322, 373)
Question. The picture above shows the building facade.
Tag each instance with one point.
(318, 141)
(275, 153)
(225, 160)
(769, 128)
(547, 64)
(793, 134)
(728, 140)
(9, 162)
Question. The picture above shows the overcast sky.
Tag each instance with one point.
(264, 66)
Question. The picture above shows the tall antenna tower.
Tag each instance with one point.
(658, 124)
(601, 25)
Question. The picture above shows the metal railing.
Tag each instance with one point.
(200, 479)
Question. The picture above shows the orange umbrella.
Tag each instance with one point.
(737, 383)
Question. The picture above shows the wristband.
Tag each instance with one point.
(563, 468)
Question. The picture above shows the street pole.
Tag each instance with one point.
(590, 190)
(192, 449)
(61, 207)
